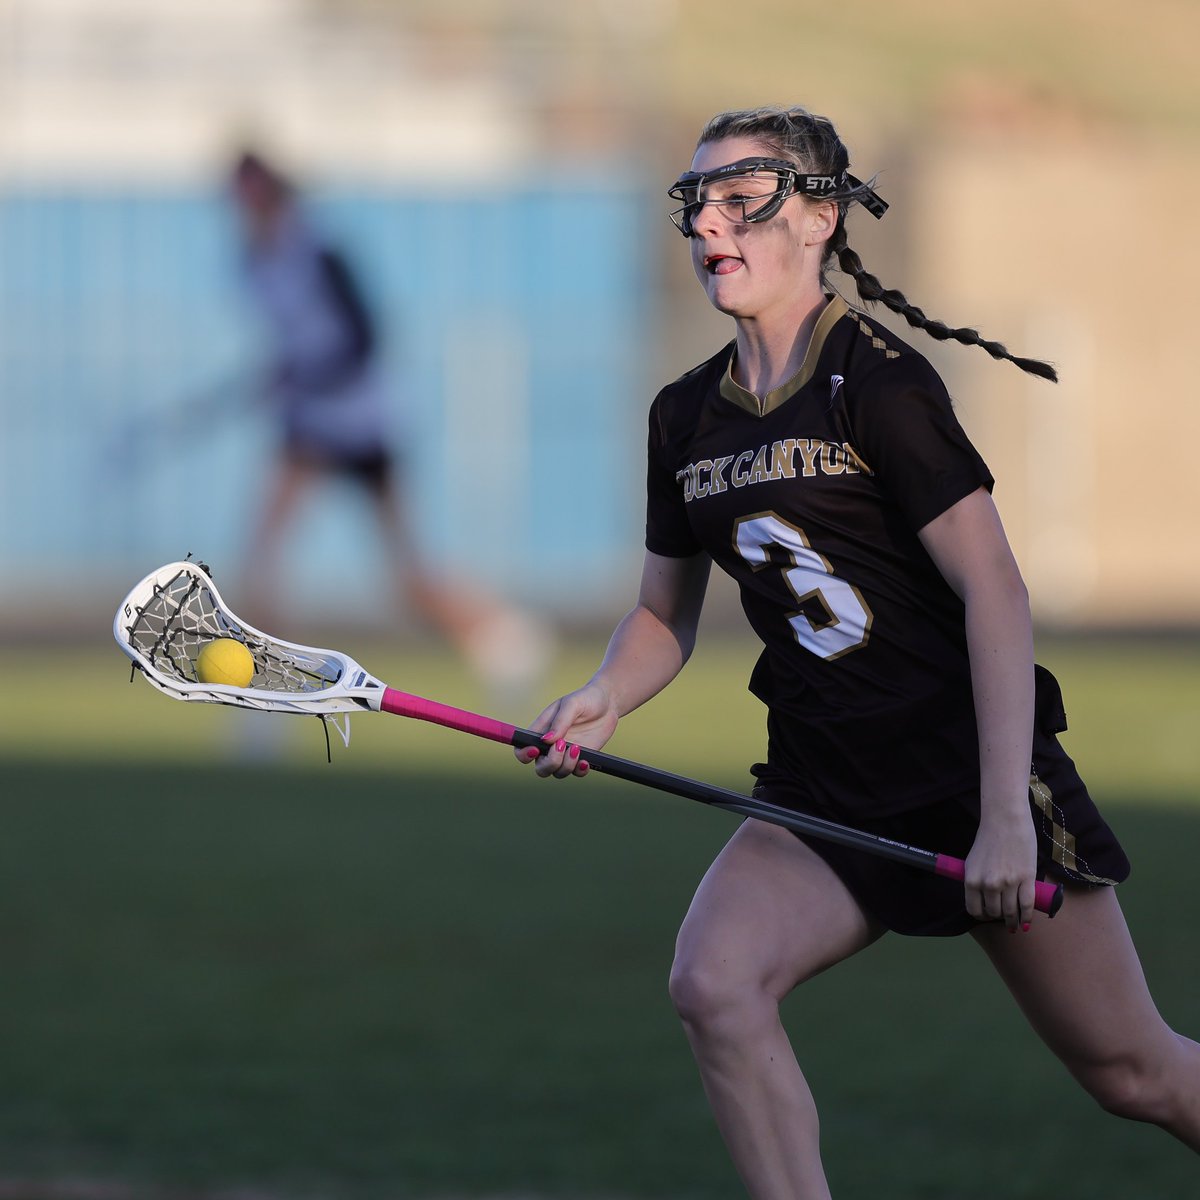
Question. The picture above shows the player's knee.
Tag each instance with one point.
(691, 990)
(709, 997)
(1127, 1088)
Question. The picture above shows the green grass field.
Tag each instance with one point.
(419, 972)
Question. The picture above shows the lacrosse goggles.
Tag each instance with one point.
(754, 189)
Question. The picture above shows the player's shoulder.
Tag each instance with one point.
(696, 381)
(877, 360)
(677, 407)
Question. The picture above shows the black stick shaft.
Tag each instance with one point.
(1049, 896)
(749, 806)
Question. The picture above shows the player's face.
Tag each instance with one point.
(750, 268)
(258, 204)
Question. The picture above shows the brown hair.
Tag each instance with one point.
(812, 142)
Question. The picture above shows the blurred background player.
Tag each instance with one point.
(327, 389)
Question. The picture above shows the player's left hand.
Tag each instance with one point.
(1001, 872)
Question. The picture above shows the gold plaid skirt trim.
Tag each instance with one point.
(1061, 839)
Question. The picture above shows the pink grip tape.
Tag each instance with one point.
(404, 705)
(1047, 896)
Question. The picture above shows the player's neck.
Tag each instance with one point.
(770, 352)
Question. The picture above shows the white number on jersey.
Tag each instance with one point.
(831, 617)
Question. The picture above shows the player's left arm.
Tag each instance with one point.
(345, 359)
(969, 547)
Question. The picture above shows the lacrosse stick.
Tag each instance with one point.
(144, 438)
(171, 614)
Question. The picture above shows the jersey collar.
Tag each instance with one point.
(744, 398)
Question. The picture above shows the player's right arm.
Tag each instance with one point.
(647, 650)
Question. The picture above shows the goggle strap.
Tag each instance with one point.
(866, 195)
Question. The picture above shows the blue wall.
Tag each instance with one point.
(516, 329)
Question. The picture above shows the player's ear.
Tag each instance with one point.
(822, 221)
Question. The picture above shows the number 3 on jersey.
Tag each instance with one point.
(831, 617)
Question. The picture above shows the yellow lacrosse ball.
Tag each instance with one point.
(225, 660)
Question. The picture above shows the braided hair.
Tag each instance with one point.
(812, 142)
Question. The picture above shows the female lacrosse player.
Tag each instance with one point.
(817, 460)
(325, 383)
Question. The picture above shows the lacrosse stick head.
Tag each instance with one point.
(169, 616)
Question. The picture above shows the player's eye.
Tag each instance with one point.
(742, 197)
(741, 189)
(746, 205)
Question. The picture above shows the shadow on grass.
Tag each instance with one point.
(390, 985)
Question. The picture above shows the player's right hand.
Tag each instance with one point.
(581, 720)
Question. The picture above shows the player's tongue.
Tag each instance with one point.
(723, 264)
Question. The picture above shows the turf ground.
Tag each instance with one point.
(420, 973)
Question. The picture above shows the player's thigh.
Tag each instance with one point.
(769, 913)
(1078, 980)
(291, 478)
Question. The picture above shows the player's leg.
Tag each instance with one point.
(769, 914)
(501, 643)
(293, 476)
(1078, 980)
(451, 611)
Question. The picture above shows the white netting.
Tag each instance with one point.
(182, 615)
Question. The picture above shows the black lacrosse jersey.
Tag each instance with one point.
(811, 500)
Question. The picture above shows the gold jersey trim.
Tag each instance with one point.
(744, 398)
(876, 341)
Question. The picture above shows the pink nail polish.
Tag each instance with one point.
(549, 736)
(1025, 927)
(574, 751)
(560, 745)
(531, 753)
(584, 766)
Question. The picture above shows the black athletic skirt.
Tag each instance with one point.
(372, 468)
(1075, 845)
